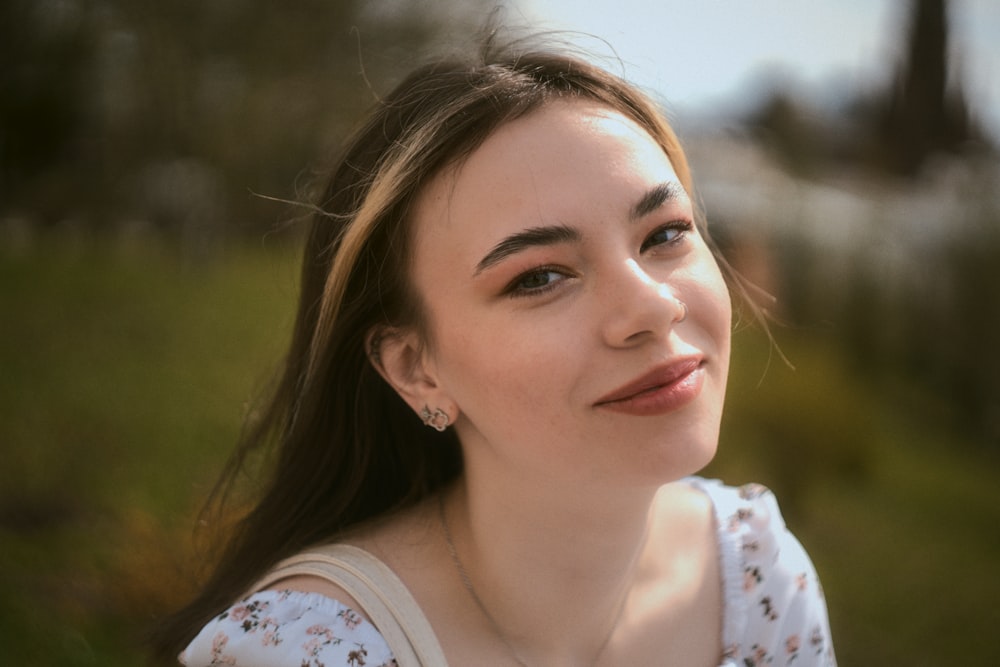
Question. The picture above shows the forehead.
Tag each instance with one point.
(568, 159)
(561, 141)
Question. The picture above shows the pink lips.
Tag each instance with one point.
(661, 390)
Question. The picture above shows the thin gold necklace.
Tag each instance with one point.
(467, 582)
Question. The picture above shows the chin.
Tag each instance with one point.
(704, 456)
(682, 458)
(693, 451)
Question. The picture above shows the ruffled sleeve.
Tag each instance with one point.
(775, 612)
(288, 628)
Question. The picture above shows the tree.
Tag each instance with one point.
(925, 111)
(43, 51)
(172, 113)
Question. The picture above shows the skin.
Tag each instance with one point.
(519, 368)
(569, 509)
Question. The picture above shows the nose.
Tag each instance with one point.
(637, 307)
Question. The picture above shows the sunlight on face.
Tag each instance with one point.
(577, 319)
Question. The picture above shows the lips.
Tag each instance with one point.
(662, 389)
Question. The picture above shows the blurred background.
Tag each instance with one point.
(845, 153)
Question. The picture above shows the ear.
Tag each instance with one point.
(400, 357)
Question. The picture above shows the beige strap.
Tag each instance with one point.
(380, 593)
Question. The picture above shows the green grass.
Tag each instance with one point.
(125, 372)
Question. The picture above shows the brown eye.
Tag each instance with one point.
(666, 235)
(535, 282)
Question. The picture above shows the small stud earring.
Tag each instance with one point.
(438, 420)
(684, 311)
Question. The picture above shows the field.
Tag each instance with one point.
(126, 368)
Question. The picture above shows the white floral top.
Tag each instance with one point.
(775, 613)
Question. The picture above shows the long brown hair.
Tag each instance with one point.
(347, 449)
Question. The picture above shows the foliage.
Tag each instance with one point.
(125, 370)
(920, 114)
(896, 507)
(124, 112)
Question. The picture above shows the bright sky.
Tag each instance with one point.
(701, 54)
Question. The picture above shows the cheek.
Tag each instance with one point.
(712, 292)
(487, 366)
(725, 308)
(712, 305)
(486, 360)
(720, 288)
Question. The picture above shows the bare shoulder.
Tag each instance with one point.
(684, 509)
(399, 541)
(677, 605)
(683, 533)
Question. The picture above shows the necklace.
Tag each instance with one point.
(467, 582)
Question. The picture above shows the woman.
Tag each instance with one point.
(509, 358)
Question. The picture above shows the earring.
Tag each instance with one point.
(684, 311)
(375, 348)
(437, 420)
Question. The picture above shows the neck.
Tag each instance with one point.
(549, 562)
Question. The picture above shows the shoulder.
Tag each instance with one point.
(775, 611)
(287, 627)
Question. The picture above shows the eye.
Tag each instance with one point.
(536, 281)
(669, 234)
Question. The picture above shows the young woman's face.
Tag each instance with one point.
(577, 319)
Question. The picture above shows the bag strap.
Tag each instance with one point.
(380, 593)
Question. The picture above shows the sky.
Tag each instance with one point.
(706, 55)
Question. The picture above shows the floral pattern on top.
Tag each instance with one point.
(277, 628)
(774, 613)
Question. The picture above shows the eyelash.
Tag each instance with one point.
(681, 227)
(515, 290)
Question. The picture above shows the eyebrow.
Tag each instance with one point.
(657, 197)
(535, 236)
(654, 198)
